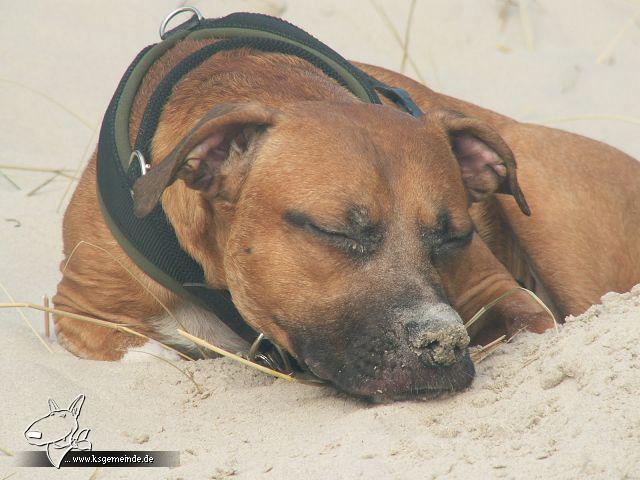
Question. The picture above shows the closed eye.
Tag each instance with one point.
(443, 238)
(460, 240)
(326, 231)
(346, 241)
(451, 244)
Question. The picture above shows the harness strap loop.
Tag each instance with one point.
(193, 21)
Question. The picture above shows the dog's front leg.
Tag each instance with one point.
(476, 277)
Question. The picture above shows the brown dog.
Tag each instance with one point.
(354, 235)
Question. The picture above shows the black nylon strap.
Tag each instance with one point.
(261, 23)
(153, 236)
(163, 91)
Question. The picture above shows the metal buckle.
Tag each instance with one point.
(165, 22)
(144, 166)
(275, 357)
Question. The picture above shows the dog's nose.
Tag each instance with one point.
(33, 434)
(438, 336)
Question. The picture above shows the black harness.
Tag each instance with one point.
(151, 241)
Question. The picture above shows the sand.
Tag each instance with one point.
(550, 406)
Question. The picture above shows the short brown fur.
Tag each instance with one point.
(579, 243)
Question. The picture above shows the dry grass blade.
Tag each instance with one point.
(121, 327)
(520, 330)
(530, 361)
(590, 116)
(505, 295)
(479, 355)
(26, 320)
(189, 375)
(608, 50)
(244, 361)
(60, 171)
(47, 320)
(407, 32)
(96, 473)
(7, 452)
(51, 100)
(503, 13)
(78, 168)
(10, 180)
(43, 184)
(398, 39)
(133, 275)
(525, 22)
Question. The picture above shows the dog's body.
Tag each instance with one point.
(580, 242)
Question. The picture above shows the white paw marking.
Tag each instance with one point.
(146, 352)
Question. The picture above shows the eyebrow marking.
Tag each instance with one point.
(443, 223)
(442, 228)
(358, 217)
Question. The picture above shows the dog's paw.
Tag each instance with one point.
(148, 352)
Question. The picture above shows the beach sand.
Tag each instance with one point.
(559, 405)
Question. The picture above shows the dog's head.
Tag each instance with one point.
(335, 227)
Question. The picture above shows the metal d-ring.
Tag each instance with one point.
(165, 22)
(144, 166)
(276, 359)
(255, 346)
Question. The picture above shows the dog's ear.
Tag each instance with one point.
(486, 162)
(226, 129)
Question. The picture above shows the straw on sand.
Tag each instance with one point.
(590, 116)
(525, 22)
(121, 327)
(613, 43)
(78, 168)
(47, 320)
(407, 32)
(480, 313)
(96, 473)
(131, 274)
(235, 357)
(43, 184)
(50, 99)
(486, 350)
(60, 171)
(10, 180)
(24, 317)
(7, 452)
(126, 328)
(403, 44)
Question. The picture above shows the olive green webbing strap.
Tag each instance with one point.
(135, 79)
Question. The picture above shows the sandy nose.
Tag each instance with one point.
(438, 336)
(34, 434)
